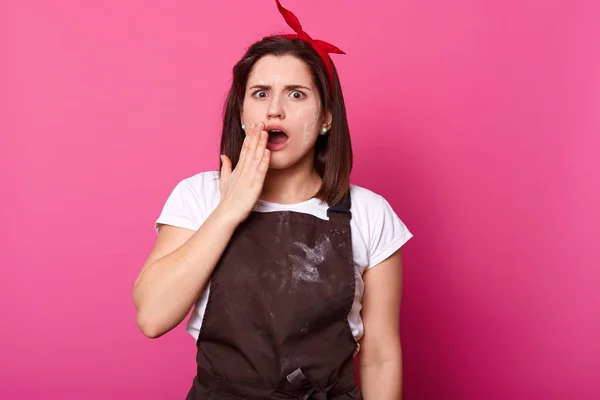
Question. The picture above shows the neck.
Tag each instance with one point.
(298, 183)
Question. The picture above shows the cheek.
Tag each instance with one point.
(308, 120)
(250, 112)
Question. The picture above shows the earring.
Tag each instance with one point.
(243, 126)
(324, 130)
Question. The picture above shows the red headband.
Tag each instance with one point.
(321, 47)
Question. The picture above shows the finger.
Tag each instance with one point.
(260, 147)
(254, 137)
(263, 167)
(245, 145)
(243, 151)
(225, 168)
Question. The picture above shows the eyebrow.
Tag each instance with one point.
(287, 87)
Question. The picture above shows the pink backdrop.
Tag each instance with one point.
(479, 121)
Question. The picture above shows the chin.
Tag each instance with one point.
(279, 165)
(281, 161)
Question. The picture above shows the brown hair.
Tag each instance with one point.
(333, 151)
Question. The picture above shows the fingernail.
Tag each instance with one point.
(260, 125)
(252, 126)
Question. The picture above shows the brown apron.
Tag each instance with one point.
(276, 322)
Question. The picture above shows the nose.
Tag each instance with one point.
(275, 109)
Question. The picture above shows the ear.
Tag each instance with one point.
(326, 123)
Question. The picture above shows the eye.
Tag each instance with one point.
(296, 94)
(260, 94)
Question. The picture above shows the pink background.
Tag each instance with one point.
(478, 121)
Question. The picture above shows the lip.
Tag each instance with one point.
(278, 127)
(277, 146)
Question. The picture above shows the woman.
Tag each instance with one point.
(288, 268)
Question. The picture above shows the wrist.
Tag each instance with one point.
(225, 218)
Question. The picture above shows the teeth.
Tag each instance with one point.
(275, 130)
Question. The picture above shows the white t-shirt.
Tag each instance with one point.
(376, 230)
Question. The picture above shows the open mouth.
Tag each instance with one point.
(278, 139)
(277, 136)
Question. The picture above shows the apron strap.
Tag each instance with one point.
(340, 212)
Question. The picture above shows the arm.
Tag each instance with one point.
(176, 272)
(182, 261)
(380, 357)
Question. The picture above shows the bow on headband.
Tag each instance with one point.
(321, 47)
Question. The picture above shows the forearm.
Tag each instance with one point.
(168, 288)
(381, 379)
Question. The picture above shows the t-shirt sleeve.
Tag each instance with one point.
(182, 208)
(387, 235)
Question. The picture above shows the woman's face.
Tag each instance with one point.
(280, 93)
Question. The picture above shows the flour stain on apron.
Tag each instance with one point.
(305, 266)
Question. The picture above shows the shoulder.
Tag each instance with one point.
(366, 204)
(367, 208)
(378, 224)
(199, 190)
(362, 195)
(202, 190)
(202, 183)
(191, 200)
